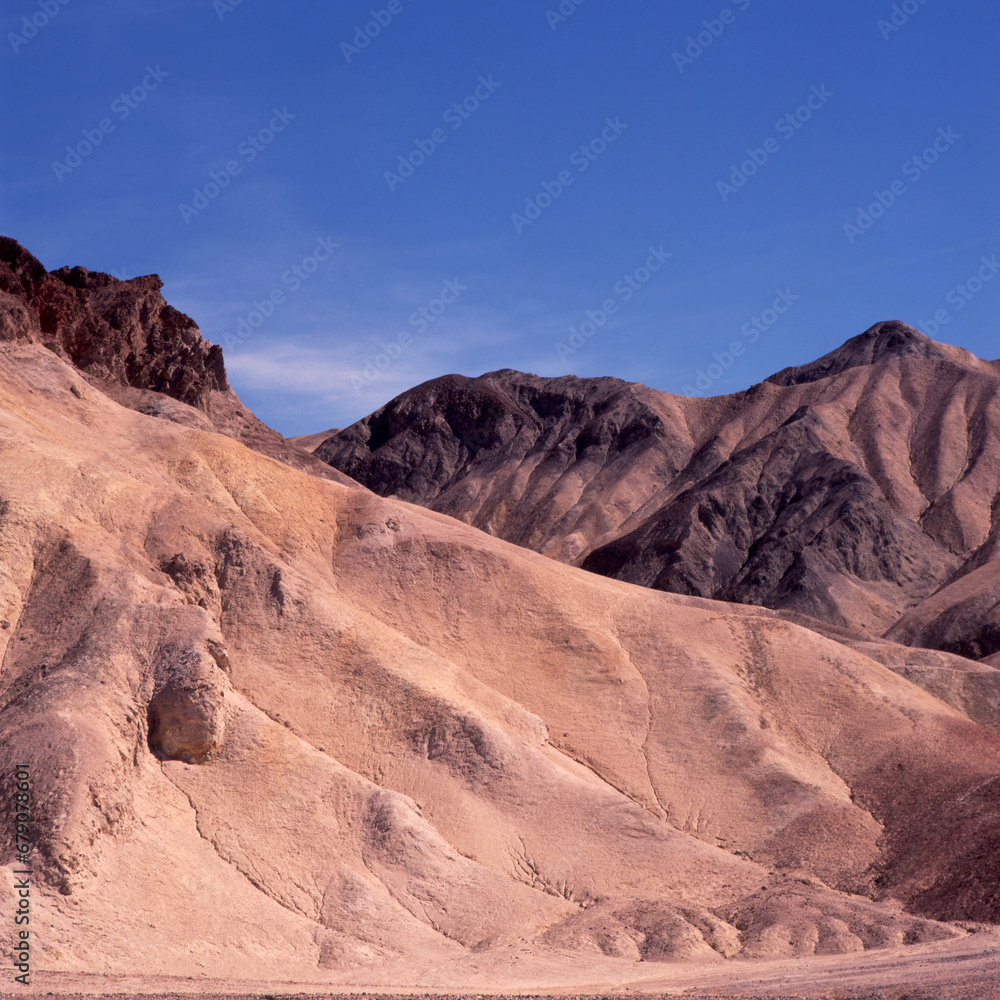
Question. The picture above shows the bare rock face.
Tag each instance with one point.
(501, 452)
(134, 347)
(185, 716)
(121, 330)
(648, 931)
(354, 733)
(788, 922)
(884, 342)
(850, 490)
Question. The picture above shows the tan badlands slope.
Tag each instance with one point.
(280, 727)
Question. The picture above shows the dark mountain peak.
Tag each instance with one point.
(134, 347)
(82, 277)
(883, 342)
(563, 384)
(512, 375)
(498, 394)
(118, 330)
(455, 428)
(893, 338)
(19, 261)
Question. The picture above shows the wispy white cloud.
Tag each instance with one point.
(290, 368)
(323, 382)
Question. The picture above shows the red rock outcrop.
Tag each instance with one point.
(135, 347)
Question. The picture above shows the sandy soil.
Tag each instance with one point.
(966, 969)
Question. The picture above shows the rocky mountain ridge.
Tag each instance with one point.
(112, 329)
(853, 489)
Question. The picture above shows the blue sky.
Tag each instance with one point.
(354, 197)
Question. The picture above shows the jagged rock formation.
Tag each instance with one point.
(851, 490)
(339, 734)
(121, 330)
(127, 341)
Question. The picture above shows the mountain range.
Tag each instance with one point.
(282, 727)
(859, 490)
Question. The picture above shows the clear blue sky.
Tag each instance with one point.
(315, 126)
